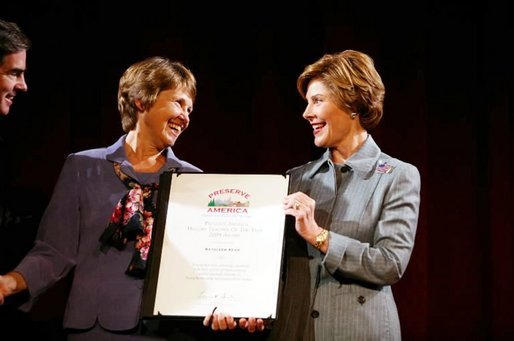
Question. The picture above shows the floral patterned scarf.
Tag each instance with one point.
(132, 219)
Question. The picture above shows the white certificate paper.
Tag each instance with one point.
(221, 246)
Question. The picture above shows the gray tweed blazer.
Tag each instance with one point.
(370, 205)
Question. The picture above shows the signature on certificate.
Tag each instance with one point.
(205, 294)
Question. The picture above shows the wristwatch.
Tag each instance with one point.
(321, 238)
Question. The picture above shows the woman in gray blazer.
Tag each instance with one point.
(355, 212)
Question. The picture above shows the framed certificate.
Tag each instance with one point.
(217, 243)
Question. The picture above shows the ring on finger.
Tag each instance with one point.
(296, 205)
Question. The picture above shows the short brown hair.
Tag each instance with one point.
(353, 82)
(144, 81)
(12, 39)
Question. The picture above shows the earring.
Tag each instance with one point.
(353, 115)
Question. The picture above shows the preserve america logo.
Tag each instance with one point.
(228, 200)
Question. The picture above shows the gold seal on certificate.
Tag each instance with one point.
(218, 242)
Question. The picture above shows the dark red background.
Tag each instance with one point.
(447, 68)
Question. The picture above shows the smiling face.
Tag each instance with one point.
(332, 126)
(166, 119)
(12, 79)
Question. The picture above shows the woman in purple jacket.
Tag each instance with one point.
(99, 220)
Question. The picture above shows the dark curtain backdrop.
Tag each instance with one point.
(447, 67)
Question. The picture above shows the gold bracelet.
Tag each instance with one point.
(321, 238)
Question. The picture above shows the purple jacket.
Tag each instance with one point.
(80, 208)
